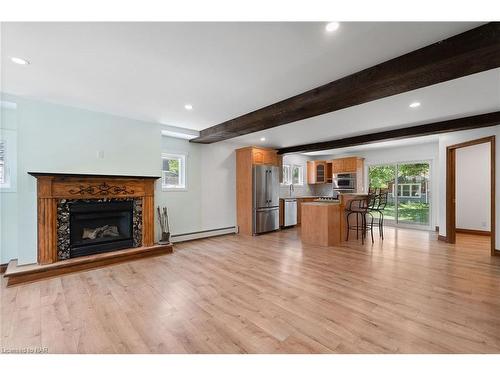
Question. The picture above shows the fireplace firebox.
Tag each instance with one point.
(98, 227)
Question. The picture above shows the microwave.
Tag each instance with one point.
(344, 181)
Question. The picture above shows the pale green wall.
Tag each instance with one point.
(55, 138)
(8, 201)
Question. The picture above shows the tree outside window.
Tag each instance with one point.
(293, 174)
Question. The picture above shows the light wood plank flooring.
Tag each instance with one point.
(270, 294)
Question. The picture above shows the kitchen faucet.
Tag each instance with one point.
(292, 189)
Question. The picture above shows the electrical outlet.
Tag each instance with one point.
(100, 154)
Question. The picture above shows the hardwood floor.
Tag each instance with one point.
(270, 294)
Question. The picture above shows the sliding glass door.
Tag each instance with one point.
(409, 196)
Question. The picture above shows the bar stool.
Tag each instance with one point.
(360, 208)
(379, 207)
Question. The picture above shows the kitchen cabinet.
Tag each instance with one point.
(349, 165)
(338, 166)
(322, 171)
(329, 171)
(346, 165)
(316, 172)
(299, 207)
(264, 156)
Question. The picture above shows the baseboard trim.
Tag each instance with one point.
(442, 238)
(203, 234)
(473, 231)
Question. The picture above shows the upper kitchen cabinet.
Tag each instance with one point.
(316, 172)
(346, 165)
(350, 165)
(329, 171)
(337, 166)
(321, 171)
(264, 156)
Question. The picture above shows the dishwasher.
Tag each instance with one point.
(290, 214)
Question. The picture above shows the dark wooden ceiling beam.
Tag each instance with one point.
(464, 123)
(467, 53)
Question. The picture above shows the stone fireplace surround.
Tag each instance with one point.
(64, 227)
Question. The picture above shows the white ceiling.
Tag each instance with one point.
(148, 71)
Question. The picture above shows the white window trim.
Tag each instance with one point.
(410, 185)
(286, 181)
(10, 139)
(184, 157)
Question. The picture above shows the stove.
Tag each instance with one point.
(327, 199)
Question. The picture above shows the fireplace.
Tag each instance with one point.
(110, 217)
(92, 214)
(98, 227)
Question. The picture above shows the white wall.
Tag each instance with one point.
(218, 185)
(473, 187)
(55, 138)
(449, 139)
(210, 199)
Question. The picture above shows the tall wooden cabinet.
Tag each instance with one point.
(246, 158)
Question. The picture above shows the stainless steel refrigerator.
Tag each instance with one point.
(265, 198)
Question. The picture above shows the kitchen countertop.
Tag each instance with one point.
(302, 197)
(324, 203)
(354, 194)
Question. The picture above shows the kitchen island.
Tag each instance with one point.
(324, 223)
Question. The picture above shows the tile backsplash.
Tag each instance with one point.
(322, 190)
(319, 190)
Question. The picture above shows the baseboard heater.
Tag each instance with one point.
(203, 234)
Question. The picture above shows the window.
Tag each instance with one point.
(298, 175)
(173, 172)
(293, 174)
(409, 190)
(8, 160)
(287, 174)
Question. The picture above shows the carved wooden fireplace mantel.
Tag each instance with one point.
(52, 187)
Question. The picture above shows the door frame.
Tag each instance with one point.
(451, 189)
(395, 222)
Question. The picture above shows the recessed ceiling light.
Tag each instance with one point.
(18, 60)
(415, 105)
(188, 107)
(263, 139)
(332, 26)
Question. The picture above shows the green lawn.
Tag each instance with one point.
(413, 212)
